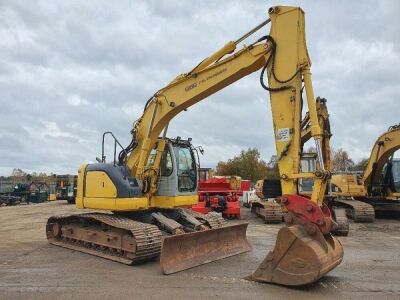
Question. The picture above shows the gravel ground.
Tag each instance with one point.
(30, 268)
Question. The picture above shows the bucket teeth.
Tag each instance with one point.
(301, 256)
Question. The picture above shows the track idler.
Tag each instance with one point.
(305, 250)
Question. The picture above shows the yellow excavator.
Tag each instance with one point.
(375, 190)
(144, 190)
(264, 203)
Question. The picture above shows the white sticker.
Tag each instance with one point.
(283, 134)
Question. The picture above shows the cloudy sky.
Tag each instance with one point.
(70, 70)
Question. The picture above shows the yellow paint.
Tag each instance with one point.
(348, 184)
(129, 204)
(301, 175)
(99, 185)
(99, 203)
(173, 201)
(139, 203)
(81, 185)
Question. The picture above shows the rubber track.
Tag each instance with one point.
(148, 237)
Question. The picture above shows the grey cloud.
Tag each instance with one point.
(72, 70)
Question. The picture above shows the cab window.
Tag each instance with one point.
(186, 167)
(166, 163)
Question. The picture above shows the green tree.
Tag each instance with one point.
(248, 165)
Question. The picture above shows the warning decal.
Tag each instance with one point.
(283, 134)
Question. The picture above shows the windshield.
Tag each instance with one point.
(396, 174)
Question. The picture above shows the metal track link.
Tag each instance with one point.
(214, 220)
(109, 236)
(357, 210)
(270, 212)
(342, 222)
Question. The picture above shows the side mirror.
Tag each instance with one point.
(201, 150)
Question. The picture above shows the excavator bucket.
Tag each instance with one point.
(184, 251)
(301, 256)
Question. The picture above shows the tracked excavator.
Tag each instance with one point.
(143, 198)
(265, 203)
(375, 190)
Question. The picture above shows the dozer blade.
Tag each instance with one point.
(184, 251)
(299, 257)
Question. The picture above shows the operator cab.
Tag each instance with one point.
(178, 174)
(178, 168)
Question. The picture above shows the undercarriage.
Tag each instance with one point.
(138, 237)
(357, 210)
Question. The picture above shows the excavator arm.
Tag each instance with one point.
(185, 91)
(283, 53)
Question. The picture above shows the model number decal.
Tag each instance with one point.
(204, 80)
(189, 87)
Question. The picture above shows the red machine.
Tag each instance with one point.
(245, 186)
(220, 194)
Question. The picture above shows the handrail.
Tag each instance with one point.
(103, 158)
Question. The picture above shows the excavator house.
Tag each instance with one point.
(144, 189)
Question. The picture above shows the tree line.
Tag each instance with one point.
(248, 164)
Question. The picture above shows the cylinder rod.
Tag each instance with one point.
(258, 27)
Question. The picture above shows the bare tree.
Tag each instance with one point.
(341, 160)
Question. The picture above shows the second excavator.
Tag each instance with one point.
(375, 191)
(145, 188)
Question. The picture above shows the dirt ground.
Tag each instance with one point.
(30, 268)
